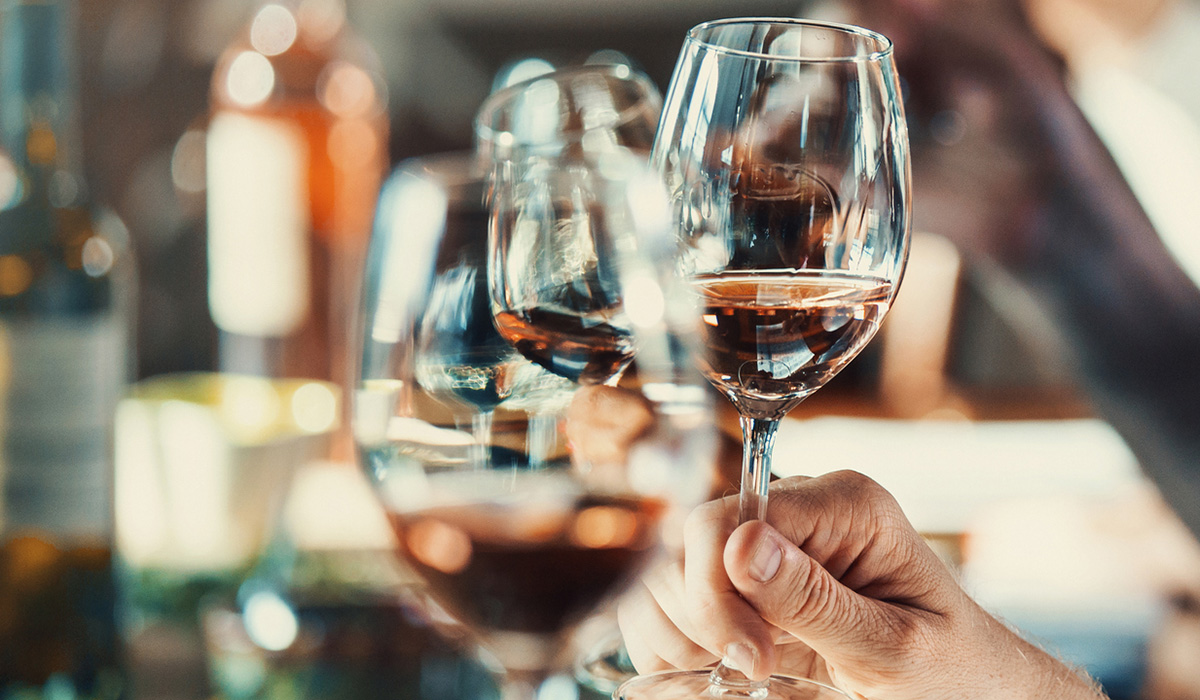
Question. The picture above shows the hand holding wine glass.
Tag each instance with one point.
(864, 602)
(784, 146)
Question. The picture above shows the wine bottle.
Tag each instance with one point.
(297, 148)
(66, 295)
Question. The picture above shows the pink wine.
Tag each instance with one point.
(580, 348)
(524, 568)
(774, 337)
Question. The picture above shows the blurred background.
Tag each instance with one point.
(966, 409)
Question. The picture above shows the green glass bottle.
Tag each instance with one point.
(65, 298)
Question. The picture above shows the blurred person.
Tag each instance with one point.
(862, 600)
(1008, 166)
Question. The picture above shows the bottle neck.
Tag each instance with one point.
(39, 127)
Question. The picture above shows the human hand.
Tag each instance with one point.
(603, 423)
(841, 570)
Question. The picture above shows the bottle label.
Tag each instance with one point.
(60, 380)
(258, 222)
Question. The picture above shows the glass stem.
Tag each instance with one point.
(540, 438)
(481, 432)
(758, 440)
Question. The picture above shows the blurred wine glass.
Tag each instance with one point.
(555, 294)
(522, 531)
(784, 147)
(461, 360)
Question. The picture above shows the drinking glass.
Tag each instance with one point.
(521, 531)
(556, 143)
(784, 148)
(555, 298)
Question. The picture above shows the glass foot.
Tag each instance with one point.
(697, 685)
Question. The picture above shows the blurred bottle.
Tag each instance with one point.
(66, 293)
(297, 147)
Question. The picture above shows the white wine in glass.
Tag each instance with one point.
(784, 147)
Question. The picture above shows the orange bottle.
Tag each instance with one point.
(297, 147)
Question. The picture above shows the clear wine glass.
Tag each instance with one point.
(784, 147)
(555, 294)
(520, 536)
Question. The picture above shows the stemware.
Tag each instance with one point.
(519, 528)
(556, 143)
(784, 147)
(553, 296)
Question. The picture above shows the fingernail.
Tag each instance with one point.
(765, 562)
(740, 657)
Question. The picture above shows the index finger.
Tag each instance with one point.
(724, 623)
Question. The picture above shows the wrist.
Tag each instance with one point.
(1057, 679)
(1020, 670)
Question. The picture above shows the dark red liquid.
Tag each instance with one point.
(510, 569)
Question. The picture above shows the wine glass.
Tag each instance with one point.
(554, 291)
(521, 537)
(554, 294)
(784, 147)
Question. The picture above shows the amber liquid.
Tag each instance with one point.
(778, 336)
(528, 569)
(581, 349)
(58, 617)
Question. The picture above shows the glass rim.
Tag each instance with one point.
(448, 169)
(487, 134)
(883, 51)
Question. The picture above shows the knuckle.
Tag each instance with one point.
(681, 652)
(813, 600)
(865, 490)
(703, 610)
(698, 521)
(857, 482)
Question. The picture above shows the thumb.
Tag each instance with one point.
(793, 592)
